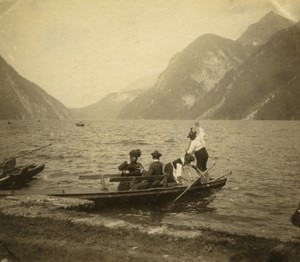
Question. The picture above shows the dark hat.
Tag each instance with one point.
(156, 154)
(135, 152)
(192, 134)
(189, 158)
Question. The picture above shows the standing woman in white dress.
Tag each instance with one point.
(197, 146)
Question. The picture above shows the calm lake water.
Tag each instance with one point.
(259, 198)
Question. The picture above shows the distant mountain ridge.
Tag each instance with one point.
(266, 86)
(259, 33)
(142, 83)
(193, 84)
(110, 106)
(22, 99)
(253, 77)
(190, 74)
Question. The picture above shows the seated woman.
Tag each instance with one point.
(174, 169)
(134, 168)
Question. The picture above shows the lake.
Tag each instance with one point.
(259, 198)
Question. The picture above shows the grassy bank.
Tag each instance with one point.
(41, 228)
(45, 239)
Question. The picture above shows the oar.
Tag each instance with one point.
(218, 178)
(190, 185)
(29, 152)
(52, 158)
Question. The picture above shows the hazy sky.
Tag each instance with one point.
(80, 50)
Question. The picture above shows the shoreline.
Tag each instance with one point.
(44, 230)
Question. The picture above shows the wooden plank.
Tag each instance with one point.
(138, 178)
(82, 177)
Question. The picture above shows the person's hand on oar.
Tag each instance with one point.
(191, 184)
(204, 175)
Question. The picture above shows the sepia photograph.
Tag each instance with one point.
(135, 130)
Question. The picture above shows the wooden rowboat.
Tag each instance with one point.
(20, 177)
(15, 177)
(80, 124)
(167, 192)
(103, 197)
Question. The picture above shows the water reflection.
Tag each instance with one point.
(154, 213)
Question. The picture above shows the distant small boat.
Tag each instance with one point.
(80, 124)
(10, 122)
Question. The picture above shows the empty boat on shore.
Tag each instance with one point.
(20, 177)
(16, 177)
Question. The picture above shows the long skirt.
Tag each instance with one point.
(169, 171)
(124, 186)
(202, 157)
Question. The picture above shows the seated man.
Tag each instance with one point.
(134, 168)
(155, 169)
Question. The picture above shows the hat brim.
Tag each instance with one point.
(156, 155)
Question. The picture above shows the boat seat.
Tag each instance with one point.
(137, 178)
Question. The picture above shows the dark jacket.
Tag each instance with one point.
(134, 168)
(155, 169)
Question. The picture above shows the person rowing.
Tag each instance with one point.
(197, 147)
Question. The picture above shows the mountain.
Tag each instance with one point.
(190, 74)
(184, 90)
(265, 86)
(110, 106)
(22, 99)
(142, 83)
(259, 33)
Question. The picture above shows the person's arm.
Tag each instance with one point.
(178, 171)
(191, 148)
(136, 170)
(201, 135)
(123, 166)
(197, 170)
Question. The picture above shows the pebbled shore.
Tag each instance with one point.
(43, 229)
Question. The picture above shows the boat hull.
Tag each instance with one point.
(18, 179)
(147, 195)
